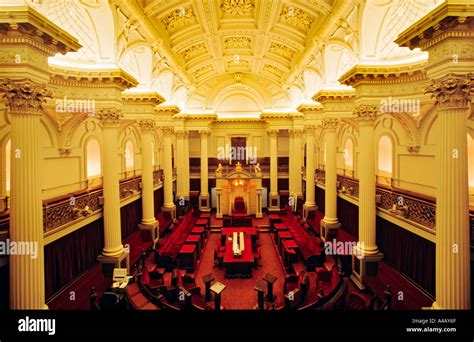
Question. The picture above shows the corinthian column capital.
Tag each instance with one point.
(146, 126)
(109, 117)
(24, 96)
(452, 92)
(330, 124)
(365, 114)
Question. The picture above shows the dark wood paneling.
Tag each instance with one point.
(408, 253)
(348, 215)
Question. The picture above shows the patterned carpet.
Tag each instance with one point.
(239, 293)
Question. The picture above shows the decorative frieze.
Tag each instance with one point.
(146, 125)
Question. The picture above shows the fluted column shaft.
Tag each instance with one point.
(167, 168)
(148, 207)
(26, 218)
(183, 159)
(110, 119)
(310, 169)
(291, 164)
(367, 207)
(330, 215)
(297, 162)
(273, 162)
(187, 185)
(452, 221)
(204, 162)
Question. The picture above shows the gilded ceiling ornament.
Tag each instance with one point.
(272, 69)
(109, 116)
(202, 70)
(452, 92)
(296, 17)
(237, 42)
(178, 19)
(282, 50)
(237, 7)
(365, 113)
(194, 51)
(24, 95)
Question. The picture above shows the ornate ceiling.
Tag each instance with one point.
(216, 37)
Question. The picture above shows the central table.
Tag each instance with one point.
(238, 266)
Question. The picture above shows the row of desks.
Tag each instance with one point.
(284, 240)
(190, 253)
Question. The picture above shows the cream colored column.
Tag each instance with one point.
(148, 207)
(291, 164)
(109, 120)
(26, 218)
(168, 204)
(298, 187)
(366, 255)
(274, 196)
(452, 222)
(186, 166)
(204, 200)
(330, 221)
(310, 204)
(181, 162)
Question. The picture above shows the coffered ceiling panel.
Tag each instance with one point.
(219, 37)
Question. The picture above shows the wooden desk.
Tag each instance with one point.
(239, 266)
(187, 258)
(282, 236)
(195, 240)
(201, 232)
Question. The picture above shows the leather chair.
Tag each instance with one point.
(218, 258)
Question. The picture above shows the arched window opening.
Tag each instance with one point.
(94, 168)
(349, 155)
(385, 157)
(129, 156)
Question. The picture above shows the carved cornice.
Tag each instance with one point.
(383, 73)
(194, 117)
(365, 113)
(94, 79)
(310, 108)
(109, 117)
(146, 126)
(16, 22)
(143, 97)
(452, 92)
(334, 95)
(330, 124)
(24, 96)
(277, 115)
(453, 18)
(170, 109)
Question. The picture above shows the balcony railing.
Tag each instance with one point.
(394, 201)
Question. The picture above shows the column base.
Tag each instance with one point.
(153, 228)
(258, 215)
(204, 203)
(111, 262)
(307, 208)
(364, 265)
(329, 230)
(170, 209)
(274, 202)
